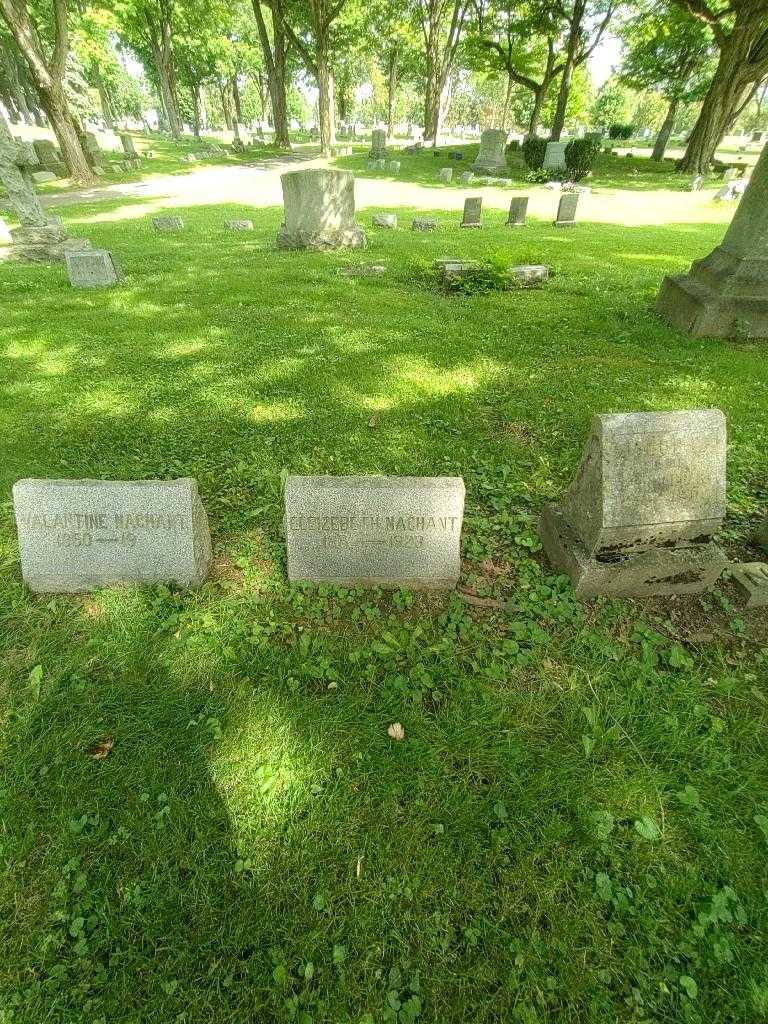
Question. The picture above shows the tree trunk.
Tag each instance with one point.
(432, 89)
(507, 101)
(166, 92)
(391, 92)
(662, 139)
(538, 102)
(720, 104)
(325, 111)
(275, 60)
(55, 106)
(236, 100)
(195, 94)
(104, 100)
(558, 122)
(225, 96)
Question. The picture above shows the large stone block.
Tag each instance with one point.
(319, 210)
(93, 268)
(644, 505)
(378, 150)
(491, 156)
(76, 535)
(554, 156)
(726, 293)
(45, 243)
(374, 531)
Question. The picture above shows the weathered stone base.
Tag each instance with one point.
(349, 238)
(564, 223)
(721, 296)
(685, 569)
(751, 579)
(45, 244)
(489, 167)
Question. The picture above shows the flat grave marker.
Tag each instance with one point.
(93, 268)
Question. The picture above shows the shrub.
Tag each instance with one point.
(533, 152)
(620, 131)
(580, 155)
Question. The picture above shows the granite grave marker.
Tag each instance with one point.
(518, 208)
(472, 212)
(93, 268)
(566, 210)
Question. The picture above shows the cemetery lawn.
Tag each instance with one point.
(202, 817)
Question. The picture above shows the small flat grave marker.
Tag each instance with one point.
(92, 268)
(77, 535)
(518, 208)
(384, 220)
(168, 223)
(238, 225)
(424, 224)
(751, 578)
(528, 275)
(566, 210)
(374, 531)
(472, 212)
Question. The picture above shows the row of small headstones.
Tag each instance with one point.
(75, 535)
(98, 268)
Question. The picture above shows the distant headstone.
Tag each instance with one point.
(364, 270)
(394, 165)
(384, 220)
(446, 173)
(378, 150)
(757, 136)
(643, 507)
(41, 177)
(129, 147)
(554, 156)
(168, 223)
(319, 210)
(238, 225)
(451, 268)
(491, 157)
(133, 164)
(751, 578)
(49, 157)
(696, 183)
(518, 209)
(76, 535)
(529, 275)
(472, 212)
(424, 224)
(566, 210)
(455, 154)
(92, 149)
(467, 177)
(93, 268)
(731, 174)
(375, 530)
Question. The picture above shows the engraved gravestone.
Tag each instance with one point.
(518, 208)
(374, 530)
(491, 156)
(168, 223)
(446, 173)
(378, 144)
(641, 512)
(319, 210)
(554, 156)
(76, 535)
(93, 268)
(566, 210)
(472, 211)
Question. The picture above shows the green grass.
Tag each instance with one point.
(574, 828)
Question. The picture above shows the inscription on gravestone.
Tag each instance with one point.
(566, 210)
(518, 209)
(76, 535)
(374, 531)
(641, 512)
(472, 209)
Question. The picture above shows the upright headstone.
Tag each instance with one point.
(466, 177)
(92, 149)
(378, 149)
(38, 238)
(727, 292)
(76, 535)
(319, 210)
(375, 530)
(643, 507)
(518, 209)
(696, 183)
(446, 173)
(129, 147)
(566, 210)
(491, 157)
(554, 156)
(49, 158)
(394, 166)
(472, 211)
(93, 268)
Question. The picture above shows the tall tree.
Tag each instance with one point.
(669, 52)
(740, 32)
(148, 26)
(275, 48)
(585, 24)
(42, 36)
(441, 23)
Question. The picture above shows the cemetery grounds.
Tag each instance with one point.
(202, 816)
